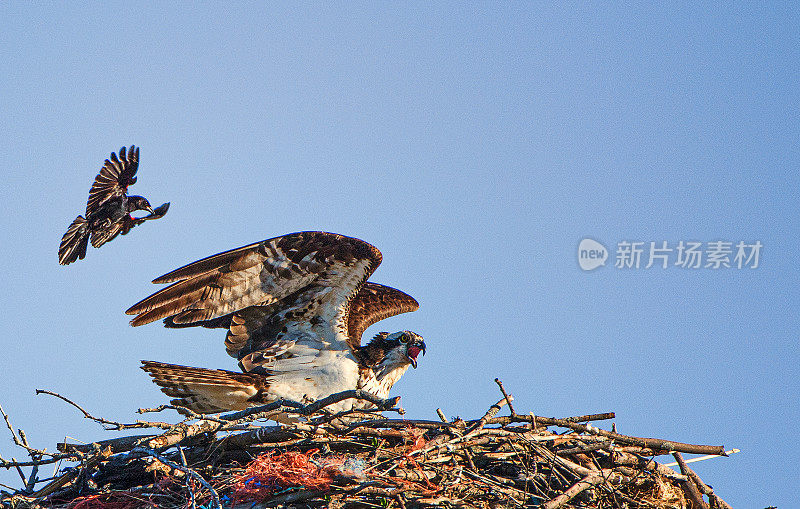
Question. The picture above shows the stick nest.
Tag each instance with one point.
(361, 460)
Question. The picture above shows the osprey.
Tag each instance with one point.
(108, 210)
(295, 308)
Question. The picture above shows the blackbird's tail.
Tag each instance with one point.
(74, 242)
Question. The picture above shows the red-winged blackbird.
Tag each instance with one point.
(108, 211)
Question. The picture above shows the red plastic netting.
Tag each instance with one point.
(270, 473)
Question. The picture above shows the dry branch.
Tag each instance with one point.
(649, 443)
(573, 491)
(689, 485)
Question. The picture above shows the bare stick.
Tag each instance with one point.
(109, 425)
(650, 443)
(551, 421)
(573, 491)
(55, 458)
(383, 404)
(18, 440)
(624, 458)
(402, 424)
(33, 478)
(702, 458)
(159, 408)
(706, 489)
(19, 470)
(299, 408)
(509, 399)
(489, 414)
(178, 433)
(583, 449)
(120, 444)
(689, 486)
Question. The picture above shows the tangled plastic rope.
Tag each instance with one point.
(270, 473)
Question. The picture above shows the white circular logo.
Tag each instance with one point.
(591, 254)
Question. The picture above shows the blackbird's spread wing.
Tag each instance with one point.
(286, 292)
(114, 178)
(106, 233)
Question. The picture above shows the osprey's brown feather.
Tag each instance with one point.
(291, 270)
(206, 390)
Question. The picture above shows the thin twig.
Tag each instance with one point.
(508, 397)
(650, 443)
(489, 414)
(107, 424)
(707, 490)
(702, 458)
(22, 442)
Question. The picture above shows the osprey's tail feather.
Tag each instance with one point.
(74, 242)
(208, 391)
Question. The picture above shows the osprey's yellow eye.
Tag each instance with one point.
(404, 338)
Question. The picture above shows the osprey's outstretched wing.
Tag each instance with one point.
(372, 304)
(292, 291)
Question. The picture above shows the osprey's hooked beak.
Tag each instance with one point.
(413, 351)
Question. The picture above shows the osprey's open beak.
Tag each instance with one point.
(413, 351)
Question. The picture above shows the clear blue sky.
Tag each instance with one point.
(475, 145)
